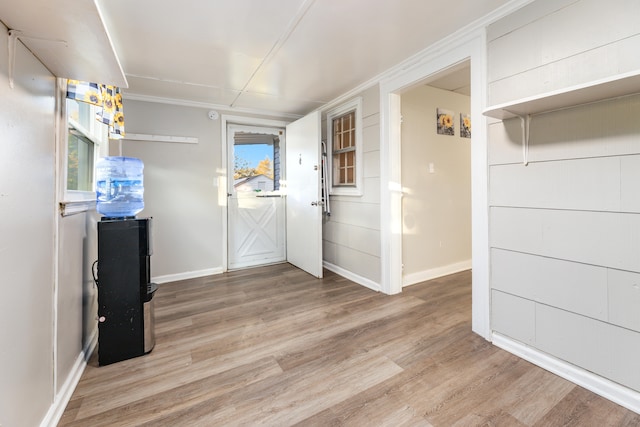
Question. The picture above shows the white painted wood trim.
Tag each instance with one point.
(473, 47)
(222, 173)
(187, 275)
(615, 392)
(434, 273)
(61, 400)
(161, 138)
(368, 283)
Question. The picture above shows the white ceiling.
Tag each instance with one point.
(282, 56)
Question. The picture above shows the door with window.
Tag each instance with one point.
(256, 206)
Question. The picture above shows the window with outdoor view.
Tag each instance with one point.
(345, 141)
(344, 149)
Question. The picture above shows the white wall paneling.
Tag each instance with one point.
(565, 230)
(607, 239)
(513, 316)
(551, 281)
(623, 298)
(584, 184)
(533, 68)
(351, 234)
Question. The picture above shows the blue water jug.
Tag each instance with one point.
(119, 186)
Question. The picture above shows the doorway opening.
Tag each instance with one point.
(470, 48)
(284, 224)
(255, 205)
(436, 176)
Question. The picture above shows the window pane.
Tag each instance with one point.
(352, 138)
(344, 141)
(254, 169)
(337, 141)
(336, 169)
(350, 158)
(79, 163)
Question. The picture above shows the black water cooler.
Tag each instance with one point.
(125, 291)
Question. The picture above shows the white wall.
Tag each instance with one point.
(436, 206)
(182, 191)
(27, 199)
(180, 186)
(351, 235)
(565, 229)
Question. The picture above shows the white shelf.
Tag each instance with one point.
(622, 84)
(160, 138)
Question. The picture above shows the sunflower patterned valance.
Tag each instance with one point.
(108, 98)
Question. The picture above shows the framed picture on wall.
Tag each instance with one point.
(465, 125)
(445, 121)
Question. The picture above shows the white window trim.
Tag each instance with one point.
(339, 190)
(73, 201)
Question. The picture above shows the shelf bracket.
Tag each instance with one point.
(525, 121)
(14, 35)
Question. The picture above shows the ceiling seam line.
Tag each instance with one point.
(293, 24)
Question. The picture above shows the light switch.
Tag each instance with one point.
(432, 168)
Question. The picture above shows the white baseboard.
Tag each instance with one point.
(352, 276)
(187, 275)
(434, 273)
(608, 389)
(62, 398)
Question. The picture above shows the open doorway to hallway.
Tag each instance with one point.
(436, 175)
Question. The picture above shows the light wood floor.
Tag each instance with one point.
(274, 346)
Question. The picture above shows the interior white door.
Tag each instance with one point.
(304, 209)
